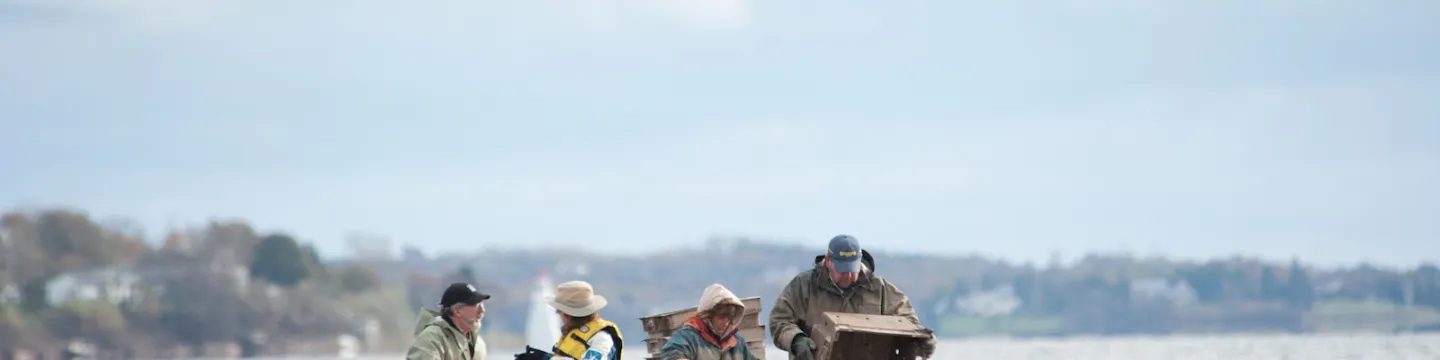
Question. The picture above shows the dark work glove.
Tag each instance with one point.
(802, 347)
(532, 354)
(927, 347)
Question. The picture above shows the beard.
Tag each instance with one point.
(475, 322)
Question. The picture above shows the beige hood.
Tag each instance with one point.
(715, 295)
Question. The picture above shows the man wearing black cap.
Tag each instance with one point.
(452, 333)
(843, 280)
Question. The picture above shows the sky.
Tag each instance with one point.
(1013, 129)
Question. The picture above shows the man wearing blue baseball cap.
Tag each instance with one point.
(843, 280)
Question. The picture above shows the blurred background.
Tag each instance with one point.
(1048, 179)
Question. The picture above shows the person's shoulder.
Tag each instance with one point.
(685, 334)
(433, 329)
(603, 337)
(878, 279)
(611, 329)
(880, 283)
(803, 277)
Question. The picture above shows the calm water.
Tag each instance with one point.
(1226, 347)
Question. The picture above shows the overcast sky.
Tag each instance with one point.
(1193, 128)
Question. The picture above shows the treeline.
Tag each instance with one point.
(217, 290)
(1123, 294)
(224, 285)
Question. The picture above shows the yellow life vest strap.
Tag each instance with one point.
(574, 344)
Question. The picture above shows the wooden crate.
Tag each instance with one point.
(659, 327)
(858, 336)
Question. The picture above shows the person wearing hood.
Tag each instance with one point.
(453, 332)
(711, 332)
(843, 280)
(584, 335)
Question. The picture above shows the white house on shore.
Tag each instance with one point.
(1178, 292)
(994, 302)
(111, 284)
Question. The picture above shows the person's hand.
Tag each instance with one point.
(927, 347)
(802, 347)
(532, 354)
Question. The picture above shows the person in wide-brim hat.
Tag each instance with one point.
(583, 333)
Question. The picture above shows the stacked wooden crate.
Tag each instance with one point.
(659, 327)
(857, 336)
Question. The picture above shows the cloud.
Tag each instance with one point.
(158, 15)
(709, 14)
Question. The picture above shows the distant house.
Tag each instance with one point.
(1331, 287)
(1179, 292)
(9, 294)
(112, 284)
(580, 269)
(996, 302)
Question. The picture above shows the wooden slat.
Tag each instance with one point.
(750, 320)
(752, 334)
(653, 346)
(757, 348)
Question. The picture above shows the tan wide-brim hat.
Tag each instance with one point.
(576, 298)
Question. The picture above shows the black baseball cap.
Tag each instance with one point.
(462, 293)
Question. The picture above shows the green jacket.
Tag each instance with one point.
(811, 293)
(436, 339)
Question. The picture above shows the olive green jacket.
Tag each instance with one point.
(436, 339)
(811, 293)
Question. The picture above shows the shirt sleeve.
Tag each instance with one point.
(678, 347)
(600, 347)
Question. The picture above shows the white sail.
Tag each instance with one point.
(542, 326)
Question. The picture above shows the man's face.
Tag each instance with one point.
(470, 314)
(842, 279)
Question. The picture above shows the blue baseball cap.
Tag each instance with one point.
(845, 253)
